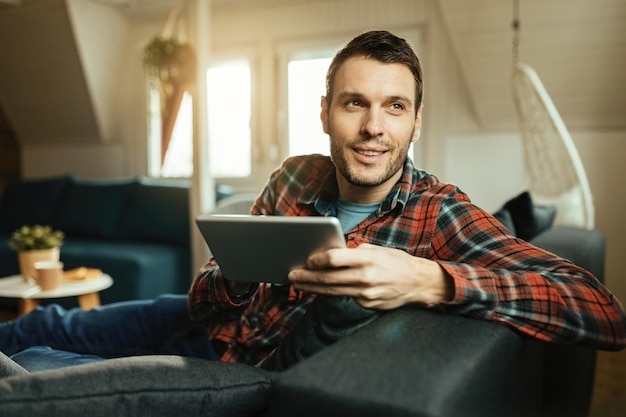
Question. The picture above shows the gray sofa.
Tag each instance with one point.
(408, 362)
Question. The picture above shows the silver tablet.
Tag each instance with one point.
(266, 248)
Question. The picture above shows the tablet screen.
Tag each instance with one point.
(266, 248)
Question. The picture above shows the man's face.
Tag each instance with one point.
(371, 123)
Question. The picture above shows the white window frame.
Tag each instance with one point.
(249, 54)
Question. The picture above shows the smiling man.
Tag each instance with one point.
(411, 241)
(372, 118)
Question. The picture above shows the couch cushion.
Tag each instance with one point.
(30, 202)
(529, 219)
(157, 211)
(140, 270)
(92, 208)
(139, 386)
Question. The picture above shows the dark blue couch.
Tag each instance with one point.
(136, 230)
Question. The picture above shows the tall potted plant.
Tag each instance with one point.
(33, 244)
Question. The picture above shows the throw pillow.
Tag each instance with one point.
(529, 220)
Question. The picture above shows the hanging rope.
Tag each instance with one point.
(516, 31)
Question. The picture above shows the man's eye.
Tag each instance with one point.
(397, 106)
(353, 103)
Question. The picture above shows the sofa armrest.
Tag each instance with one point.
(567, 389)
(584, 247)
(416, 362)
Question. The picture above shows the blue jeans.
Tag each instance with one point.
(144, 327)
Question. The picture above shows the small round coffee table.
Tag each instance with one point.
(29, 295)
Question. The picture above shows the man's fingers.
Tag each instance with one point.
(337, 258)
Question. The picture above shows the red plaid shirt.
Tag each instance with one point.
(497, 277)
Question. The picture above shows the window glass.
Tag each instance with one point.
(229, 108)
(178, 161)
(306, 84)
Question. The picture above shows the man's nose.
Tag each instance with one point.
(372, 123)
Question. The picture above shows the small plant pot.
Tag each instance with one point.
(27, 259)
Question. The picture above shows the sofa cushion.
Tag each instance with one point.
(92, 208)
(140, 270)
(30, 202)
(139, 386)
(529, 219)
(158, 211)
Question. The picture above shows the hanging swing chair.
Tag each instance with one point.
(556, 173)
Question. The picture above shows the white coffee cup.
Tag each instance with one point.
(48, 274)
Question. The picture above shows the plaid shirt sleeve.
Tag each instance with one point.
(496, 276)
(248, 329)
(209, 302)
(507, 280)
(245, 330)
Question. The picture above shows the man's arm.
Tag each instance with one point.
(378, 277)
(213, 299)
(500, 278)
(476, 269)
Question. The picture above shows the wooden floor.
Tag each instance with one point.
(609, 392)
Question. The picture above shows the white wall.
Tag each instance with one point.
(91, 161)
(486, 166)
(100, 32)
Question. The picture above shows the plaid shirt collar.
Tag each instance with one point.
(324, 196)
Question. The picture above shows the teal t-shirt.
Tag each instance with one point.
(351, 214)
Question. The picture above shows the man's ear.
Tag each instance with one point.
(324, 114)
(418, 124)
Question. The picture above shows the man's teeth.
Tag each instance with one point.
(369, 153)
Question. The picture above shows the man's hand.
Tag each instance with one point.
(378, 277)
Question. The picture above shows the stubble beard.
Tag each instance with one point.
(369, 178)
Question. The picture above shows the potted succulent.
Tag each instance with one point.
(33, 244)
